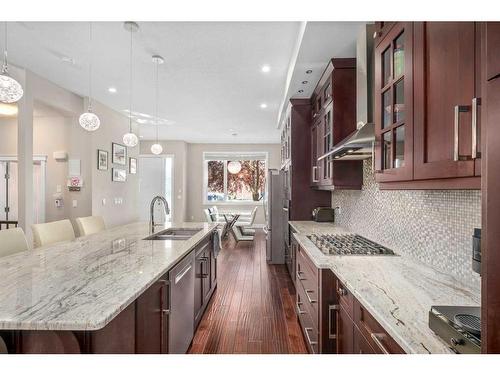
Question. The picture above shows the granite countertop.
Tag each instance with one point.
(397, 290)
(83, 284)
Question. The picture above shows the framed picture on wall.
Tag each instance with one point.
(102, 160)
(132, 165)
(119, 154)
(119, 175)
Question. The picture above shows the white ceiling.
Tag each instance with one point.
(211, 84)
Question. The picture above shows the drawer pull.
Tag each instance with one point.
(377, 338)
(309, 298)
(309, 338)
(299, 311)
(332, 308)
(298, 276)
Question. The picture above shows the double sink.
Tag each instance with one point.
(174, 234)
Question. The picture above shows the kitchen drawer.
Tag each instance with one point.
(373, 332)
(307, 278)
(308, 324)
(346, 299)
(361, 345)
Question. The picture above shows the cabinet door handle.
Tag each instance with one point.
(314, 173)
(334, 309)
(456, 152)
(475, 103)
(341, 291)
(377, 338)
(309, 338)
(309, 298)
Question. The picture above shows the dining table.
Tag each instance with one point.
(231, 216)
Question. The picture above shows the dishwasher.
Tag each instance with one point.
(181, 303)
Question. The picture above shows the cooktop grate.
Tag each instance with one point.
(469, 323)
(348, 244)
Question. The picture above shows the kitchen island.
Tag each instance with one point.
(109, 292)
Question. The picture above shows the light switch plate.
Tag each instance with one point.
(103, 201)
(75, 203)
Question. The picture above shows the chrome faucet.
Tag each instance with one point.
(151, 210)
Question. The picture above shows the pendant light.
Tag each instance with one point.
(10, 90)
(157, 149)
(89, 120)
(234, 167)
(130, 139)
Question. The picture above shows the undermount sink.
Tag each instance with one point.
(174, 234)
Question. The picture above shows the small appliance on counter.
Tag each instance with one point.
(323, 214)
(476, 250)
(458, 326)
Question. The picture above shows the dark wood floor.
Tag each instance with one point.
(252, 310)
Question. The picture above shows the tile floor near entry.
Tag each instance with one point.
(252, 309)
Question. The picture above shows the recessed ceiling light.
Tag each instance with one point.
(263, 105)
(305, 82)
(141, 136)
(68, 60)
(141, 121)
(265, 69)
(234, 134)
(231, 130)
(309, 71)
(112, 90)
(301, 91)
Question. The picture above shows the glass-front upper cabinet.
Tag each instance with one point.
(393, 105)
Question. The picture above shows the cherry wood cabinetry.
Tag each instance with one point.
(490, 241)
(428, 105)
(447, 99)
(381, 29)
(331, 318)
(334, 118)
(205, 278)
(393, 105)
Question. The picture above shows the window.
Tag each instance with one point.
(234, 177)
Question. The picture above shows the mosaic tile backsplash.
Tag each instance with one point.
(434, 226)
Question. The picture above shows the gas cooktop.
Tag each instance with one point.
(348, 244)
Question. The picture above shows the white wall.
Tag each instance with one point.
(179, 150)
(113, 126)
(188, 174)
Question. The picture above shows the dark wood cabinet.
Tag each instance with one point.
(393, 105)
(334, 118)
(492, 41)
(345, 332)
(151, 318)
(381, 29)
(446, 100)
(428, 106)
(205, 278)
(360, 344)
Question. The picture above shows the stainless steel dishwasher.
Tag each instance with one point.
(180, 327)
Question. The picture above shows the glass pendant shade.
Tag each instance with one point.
(130, 140)
(234, 167)
(89, 121)
(10, 90)
(156, 149)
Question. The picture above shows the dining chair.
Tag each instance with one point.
(246, 226)
(49, 233)
(12, 241)
(89, 225)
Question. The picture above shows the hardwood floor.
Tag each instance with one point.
(252, 309)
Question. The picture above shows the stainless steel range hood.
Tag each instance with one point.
(359, 144)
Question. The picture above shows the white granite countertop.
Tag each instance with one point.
(83, 284)
(397, 290)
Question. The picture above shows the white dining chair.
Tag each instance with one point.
(12, 241)
(89, 225)
(246, 226)
(49, 233)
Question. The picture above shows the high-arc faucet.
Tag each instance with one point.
(151, 210)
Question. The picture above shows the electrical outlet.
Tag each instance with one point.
(103, 201)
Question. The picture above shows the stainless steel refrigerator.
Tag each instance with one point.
(273, 201)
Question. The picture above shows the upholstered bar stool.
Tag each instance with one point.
(56, 231)
(12, 241)
(89, 225)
